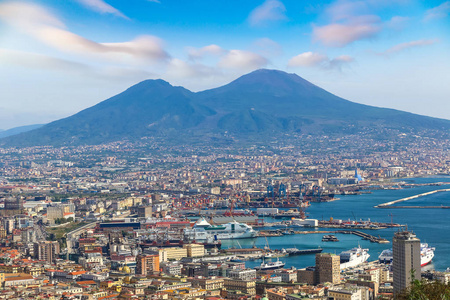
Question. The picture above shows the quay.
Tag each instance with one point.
(366, 225)
(389, 204)
(363, 235)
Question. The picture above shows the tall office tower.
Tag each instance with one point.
(406, 259)
(327, 268)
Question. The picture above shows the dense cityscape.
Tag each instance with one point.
(148, 221)
(213, 150)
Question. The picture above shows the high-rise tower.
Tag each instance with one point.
(406, 259)
(327, 268)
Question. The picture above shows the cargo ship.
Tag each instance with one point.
(295, 251)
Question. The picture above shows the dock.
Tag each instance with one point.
(363, 235)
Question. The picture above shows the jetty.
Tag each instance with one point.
(363, 235)
(391, 203)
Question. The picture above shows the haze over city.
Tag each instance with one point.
(59, 57)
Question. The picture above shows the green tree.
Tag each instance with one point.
(425, 290)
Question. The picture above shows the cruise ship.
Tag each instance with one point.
(426, 255)
(203, 231)
(353, 257)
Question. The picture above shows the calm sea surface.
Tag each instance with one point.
(432, 226)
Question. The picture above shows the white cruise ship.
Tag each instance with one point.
(270, 265)
(203, 231)
(426, 255)
(353, 257)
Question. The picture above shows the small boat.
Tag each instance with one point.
(330, 238)
(288, 232)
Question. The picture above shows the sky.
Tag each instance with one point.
(60, 57)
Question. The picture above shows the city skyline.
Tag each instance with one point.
(59, 58)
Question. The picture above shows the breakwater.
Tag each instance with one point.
(391, 203)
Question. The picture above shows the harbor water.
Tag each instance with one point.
(431, 225)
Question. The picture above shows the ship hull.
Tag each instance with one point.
(305, 251)
(354, 262)
(426, 256)
(203, 231)
(270, 267)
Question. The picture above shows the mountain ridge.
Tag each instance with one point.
(264, 102)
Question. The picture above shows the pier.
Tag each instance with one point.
(363, 235)
(391, 203)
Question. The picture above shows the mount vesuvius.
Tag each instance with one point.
(261, 103)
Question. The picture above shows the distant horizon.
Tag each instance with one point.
(57, 58)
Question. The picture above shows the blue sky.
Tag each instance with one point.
(59, 57)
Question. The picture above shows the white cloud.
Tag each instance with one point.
(242, 60)
(47, 28)
(178, 68)
(307, 59)
(26, 15)
(199, 53)
(312, 59)
(196, 76)
(29, 60)
(353, 20)
(270, 10)
(403, 46)
(101, 7)
(38, 61)
(224, 61)
(438, 12)
(342, 34)
(344, 9)
(339, 62)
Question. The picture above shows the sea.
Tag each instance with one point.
(431, 225)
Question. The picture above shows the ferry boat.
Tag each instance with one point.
(330, 238)
(426, 255)
(270, 265)
(203, 231)
(353, 257)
